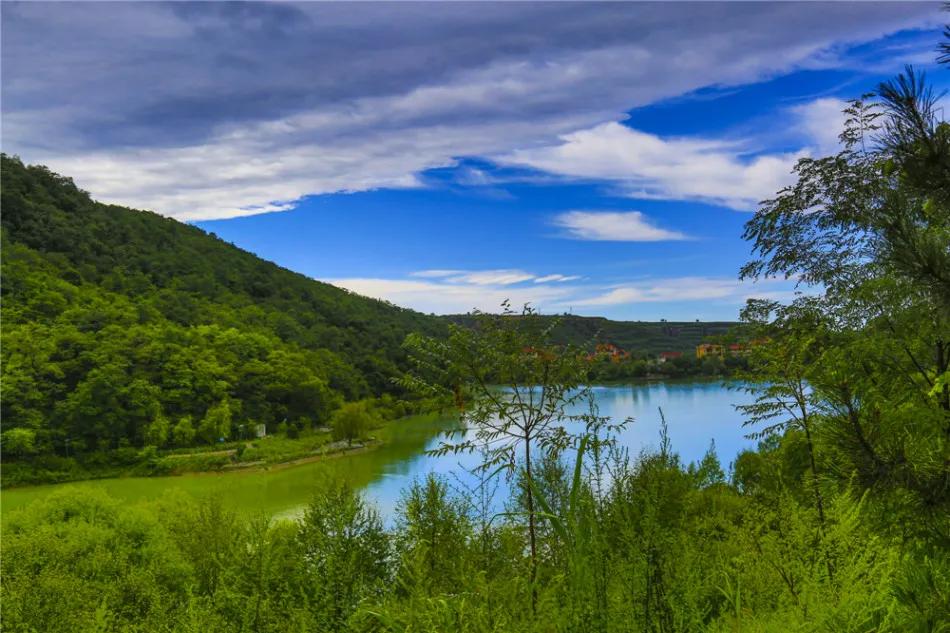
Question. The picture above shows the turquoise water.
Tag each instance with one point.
(697, 413)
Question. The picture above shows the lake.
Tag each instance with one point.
(696, 413)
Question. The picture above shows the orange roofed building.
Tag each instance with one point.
(708, 349)
(734, 349)
(611, 351)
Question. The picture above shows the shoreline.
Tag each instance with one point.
(139, 470)
(264, 466)
(226, 469)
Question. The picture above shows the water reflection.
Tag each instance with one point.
(697, 413)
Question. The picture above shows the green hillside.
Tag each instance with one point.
(125, 328)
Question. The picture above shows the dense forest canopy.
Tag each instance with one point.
(122, 327)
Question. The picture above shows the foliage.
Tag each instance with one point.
(869, 355)
(653, 547)
(353, 420)
(644, 339)
(344, 553)
(120, 325)
(82, 561)
(523, 387)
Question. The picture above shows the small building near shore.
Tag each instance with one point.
(609, 351)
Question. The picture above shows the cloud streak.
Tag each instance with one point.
(452, 297)
(648, 166)
(613, 226)
(192, 111)
(495, 277)
(453, 294)
(558, 278)
(683, 289)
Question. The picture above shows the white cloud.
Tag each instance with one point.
(687, 289)
(679, 289)
(642, 165)
(821, 122)
(646, 165)
(613, 226)
(449, 297)
(557, 278)
(494, 277)
(436, 273)
(553, 293)
(216, 122)
(268, 167)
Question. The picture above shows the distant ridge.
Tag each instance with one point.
(641, 337)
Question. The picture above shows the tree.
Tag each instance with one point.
(944, 46)
(344, 551)
(112, 316)
(216, 423)
(157, 432)
(516, 390)
(779, 376)
(352, 421)
(708, 471)
(431, 523)
(19, 441)
(870, 228)
(183, 434)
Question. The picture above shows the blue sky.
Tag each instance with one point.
(598, 159)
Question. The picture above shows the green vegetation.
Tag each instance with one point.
(630, 350)
(352, 421)
(274, 487)
(149, 461)
(645, 339)
(288, 444)
(522, 388)
(837, 522)
(605, 367)
(124, 330)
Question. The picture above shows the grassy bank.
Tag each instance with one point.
(279, 448)
(148, 462)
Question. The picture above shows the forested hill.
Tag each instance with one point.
(118, 320)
